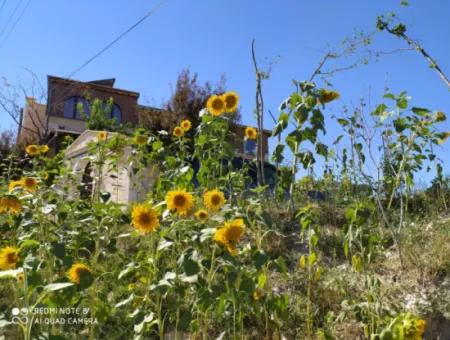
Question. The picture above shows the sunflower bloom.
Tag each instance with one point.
(102, 135)
(32, 150)
(9, 256)
(216, 105)
(186, 125)
(179, 201)
(231, 101)
(327, 96)
(250, 133)
(44, 149)
(20, 277)
(178, 132)
(77, 271)
(140, 139)
(29, 183)
(144, 218)
(13, 185)
(420, 326)
(213, 199)
(10, 204)
(229, 234)
(201, 214)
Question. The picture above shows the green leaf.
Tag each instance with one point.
(343, 121)
(57, 286)
(247, 285)
(190, 267)
(29, 244)
(420, 111)
(260, 259)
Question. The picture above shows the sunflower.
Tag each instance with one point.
(213, 199)
(10, 204)
(229, 234)
(144, 218)
(32, 150)
(140, 139)
(216, 105)
(178, 132)
(20, 277)
(231, 101)
(250, 133)
(186, 125)
(29, 183)
(201, 214)
(420, 326)
(179, 201)
(13, 185)
(102, 135)
(9, 256)
(44, 149)
(77, 271)
(327, 96)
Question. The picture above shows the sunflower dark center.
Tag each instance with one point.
(215, 199)
(145, 218)
(179, 200)
(217, 104)
(11, 257)
(231, 101)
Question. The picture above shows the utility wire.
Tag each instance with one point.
(15, 23)
(3, 5)
(148, 14)
(10, 18)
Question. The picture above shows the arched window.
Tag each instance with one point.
(113, 111)
(116, 113)
(76, 107)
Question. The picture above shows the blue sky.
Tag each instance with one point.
(213, 37)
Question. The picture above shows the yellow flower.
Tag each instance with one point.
(216, 105)
(178, 132)
(179, 201)
(250, 133)
(29, 183)
(10, 204)
(201, 214)
(144, 218)
(231, 101)
(327, 96)
(102, 135)
(229, 234)
(44, 149)
(186, 125)
(213, 199)
(302, 262)
(257, 294)
(9, 256)
(32, 150)
(141, 139)
(77, 271)
(420, 326)
(45, 176)
(14, 184)
(20, 277)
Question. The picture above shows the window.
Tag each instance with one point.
(76, 107)
(250, 147)
(113, 111)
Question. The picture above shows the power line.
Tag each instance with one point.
(3, 5)
(15, 23)
(10, 18)
(149, 13)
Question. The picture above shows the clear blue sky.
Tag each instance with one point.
(214, 37)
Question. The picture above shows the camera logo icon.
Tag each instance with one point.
(19, 315)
